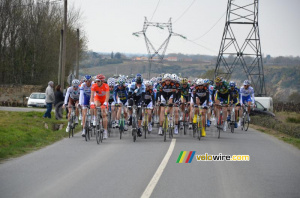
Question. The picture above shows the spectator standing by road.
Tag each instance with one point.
(49, 99)
(59, 101)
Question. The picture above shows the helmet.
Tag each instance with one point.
(211, 82)
(206, 81)
(121, 80)
(75, 82)
(153, 80)
(247, 82)
(100, 77)
(133, 80)
(159, 79)
(232, 84)
(148, 83)
(184, 81)
(174, 77)
(200, 81)
(87, 78)
(111, 82)
(167, 77)
(218, 79)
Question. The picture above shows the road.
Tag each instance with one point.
(74, 168)
(22, 109)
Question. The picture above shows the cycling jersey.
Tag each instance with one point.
(166, 91)
(234, 95)
(121, 93)
(85, 94)
(222, 92)
(202, 94)
(247, 95)
(73, 94)
(134, 88)
(100, 92)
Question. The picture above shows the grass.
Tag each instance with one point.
(281, 136)
(23, 132)
(285, 126)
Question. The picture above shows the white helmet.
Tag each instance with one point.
(148, 83)
(167, 77)
(174, 77)
(111, 82)
(200, 81)
(75, 82)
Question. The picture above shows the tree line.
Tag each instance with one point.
(30, 41)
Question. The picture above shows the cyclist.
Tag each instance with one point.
(84, 99)
(222, 96)
(200, 97)
(234, 93)
(121, 98)
(100, 97)
(111, 83)
(72, 99)
(149, 102)
(185, 94)
(210, 89)
(176, 100)
(247, 95)
(137, 91)
(165, 94)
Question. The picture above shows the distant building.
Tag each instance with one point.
(174, 59)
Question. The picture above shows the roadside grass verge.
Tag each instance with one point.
(284, 126)
(23, 132)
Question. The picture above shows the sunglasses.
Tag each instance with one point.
(75, 87)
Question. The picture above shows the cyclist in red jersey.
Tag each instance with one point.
(100, 97)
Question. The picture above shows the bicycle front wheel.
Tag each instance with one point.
(98, 135)
(246, 122)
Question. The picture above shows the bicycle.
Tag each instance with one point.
(72, 121)
(197, 124)
(185, 117)
(99, 126)
(168, 124)
(220, 118)
(109, 122)
(122, 120)
(134, 122)
(245, 117)
(88, 124)
(232, 118)
(145, 120)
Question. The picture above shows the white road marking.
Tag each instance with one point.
(149, 189)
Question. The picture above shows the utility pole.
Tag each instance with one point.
(64, 57)
(152, 51)
(246, 52)
(60, 56)
(77, 56)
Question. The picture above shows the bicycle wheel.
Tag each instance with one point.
(170, 132)
(219, 125)
(86, 131)
(121, 128)
(195, 128)
(165, 135)
(232, 127)
(199, 130)
(145, 129)
(134, 134)
(98, 134)
(246, 122)
(109, 124)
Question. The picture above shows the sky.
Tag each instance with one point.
(109, 24)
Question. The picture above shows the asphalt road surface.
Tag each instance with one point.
(74, 168)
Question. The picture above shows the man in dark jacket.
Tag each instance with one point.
(59, 101)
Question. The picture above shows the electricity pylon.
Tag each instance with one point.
(152, 51)
(249, 55)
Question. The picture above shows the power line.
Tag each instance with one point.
(185, 11)
(155, 10)
(202, 46)
(210, 28)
